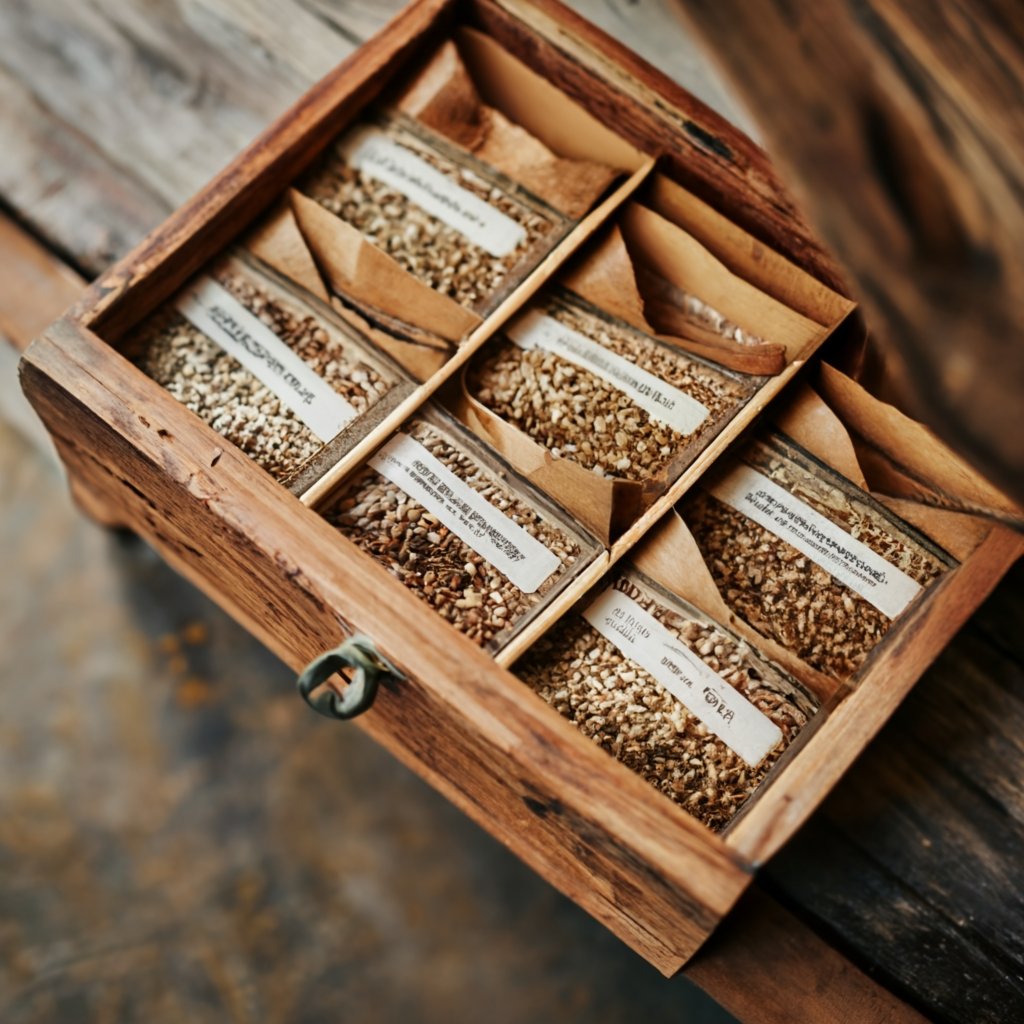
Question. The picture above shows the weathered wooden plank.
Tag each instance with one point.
(356, 20)
(901, 124)
(906, 944)
(583, 820)
(651, 29)
(56, 180)
(162, 96)
(115, 113)
(39, 286)
(157, 94)
(906, 918)
(767, 967)
(183, 841)
(930, 824)
(35, 287)
(292, 43)
(703, 151)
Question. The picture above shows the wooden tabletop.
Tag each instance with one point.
(906, 887)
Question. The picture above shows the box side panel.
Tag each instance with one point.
(583, 821)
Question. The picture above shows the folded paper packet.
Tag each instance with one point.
(307, 244)
(660, 386)
(671, 693)
(407, 303)
(267, 366)
(444, 97)
(443, 515)
(596, 393)
(660, 279)
(800, 551)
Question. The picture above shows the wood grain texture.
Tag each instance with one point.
(61, 186)
(61, 371)
(889, 674)
(115, 113)
(931, 825)
(254, 179)
(35, 287)
(76, 219)
(593, 828)
(763, 955)
(207, 74)
(704, 152)
(183, 841)
(901, 122)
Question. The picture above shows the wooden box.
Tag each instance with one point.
(457, 716)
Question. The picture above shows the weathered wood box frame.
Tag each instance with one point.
(653, 875)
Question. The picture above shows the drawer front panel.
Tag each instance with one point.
(592, 827)
(582, 820)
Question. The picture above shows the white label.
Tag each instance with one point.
(224, 320)
(473, 519)
(844, 557)
(705, 694)
(659, 400)
(369, 150)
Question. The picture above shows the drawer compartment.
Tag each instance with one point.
(710, 239)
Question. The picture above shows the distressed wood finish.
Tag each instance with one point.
(892, 670)
(763, 954)
(930, 825)
(35, 288)
(100, 144)
(588, 824)
(760, 943)
(247, 186)
(706, 153)
(635, 861)
(901, 123)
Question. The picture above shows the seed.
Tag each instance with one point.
(439, 567)
(580, 416)
(433, 252)
(782, 593)
(621, 707)
(218, 389)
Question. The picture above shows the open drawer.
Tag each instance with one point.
(668, 186)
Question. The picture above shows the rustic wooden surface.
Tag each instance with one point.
(900, 124)
(83, 168)
(182, 840)
(583, 821)
(761, 943)
(745, 947)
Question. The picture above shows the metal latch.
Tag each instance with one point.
(370, 670)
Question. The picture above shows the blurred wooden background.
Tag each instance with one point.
(181, 839)
(900, 126)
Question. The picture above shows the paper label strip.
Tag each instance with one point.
(370, 151)
(472, 518)
(841, 555)
(215, 312)
(646, 642)
(661, 401)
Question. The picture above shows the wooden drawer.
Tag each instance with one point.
(457, 716)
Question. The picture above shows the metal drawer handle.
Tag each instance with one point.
(358, 653)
